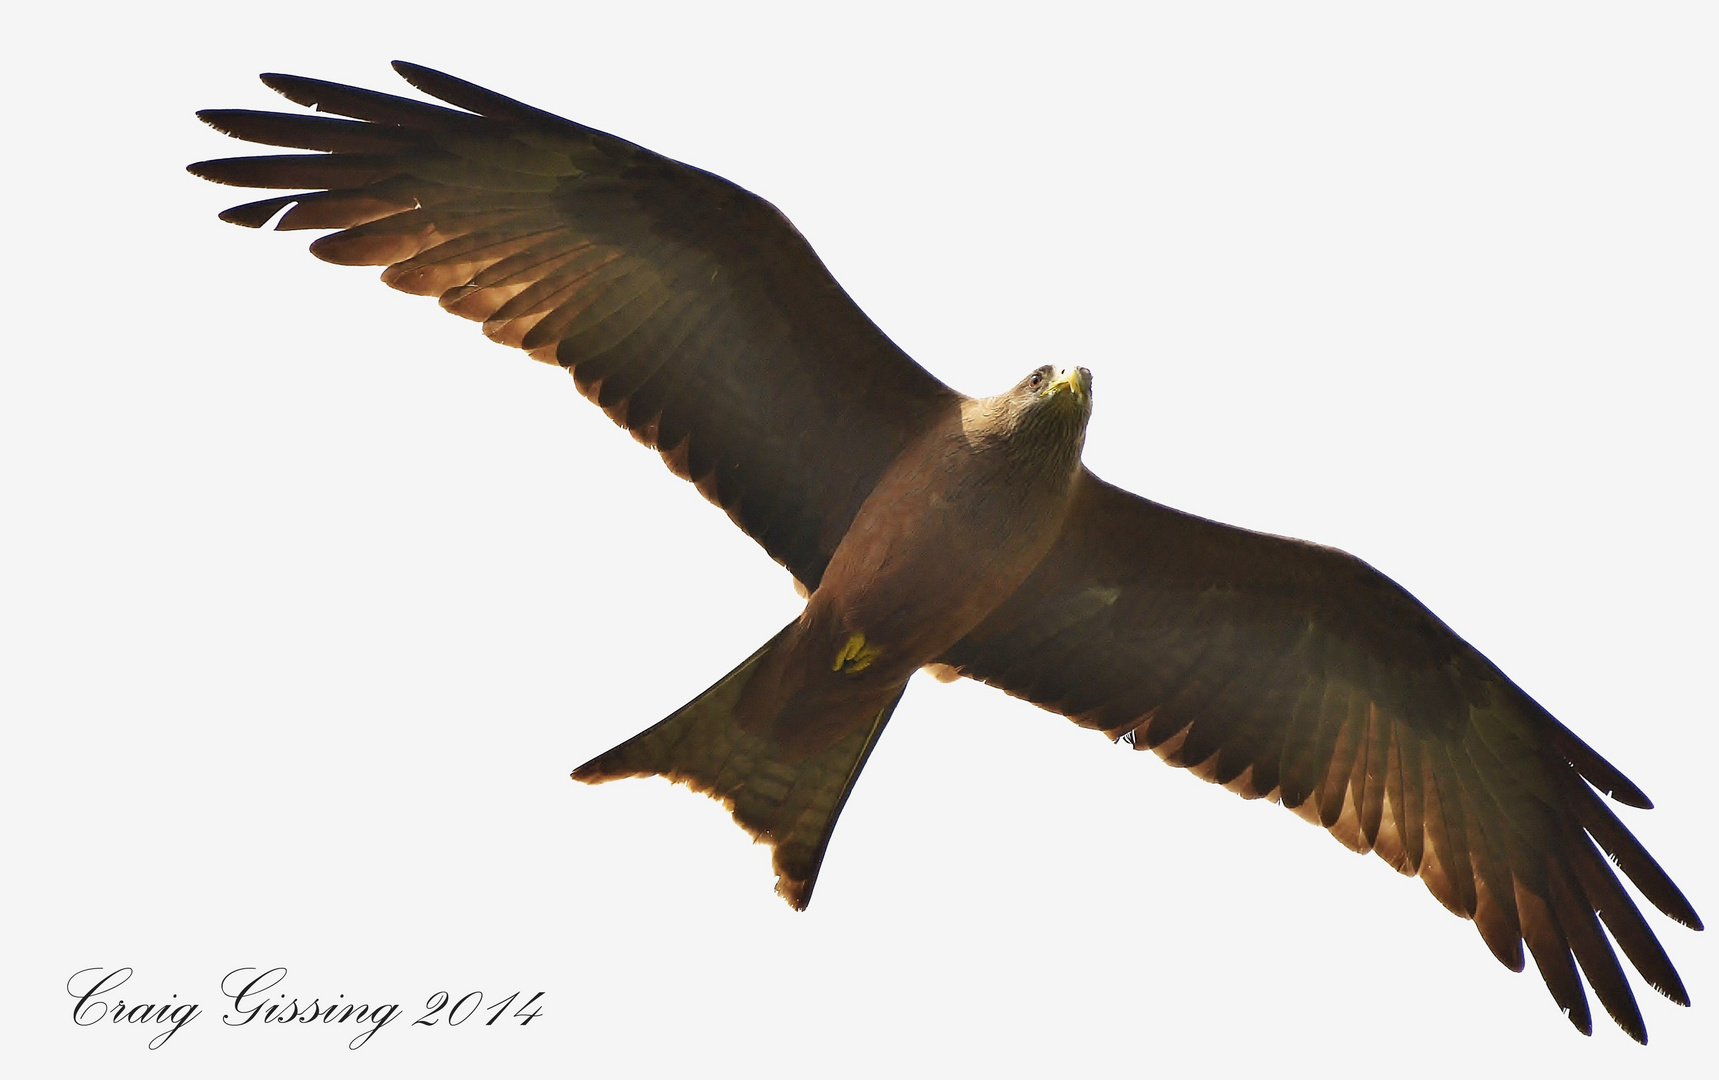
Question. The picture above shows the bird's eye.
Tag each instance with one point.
(1038, 377)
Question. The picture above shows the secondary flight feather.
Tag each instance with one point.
(930, 528)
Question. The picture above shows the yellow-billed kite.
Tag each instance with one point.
(929, 528)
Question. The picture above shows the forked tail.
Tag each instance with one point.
(790, 802)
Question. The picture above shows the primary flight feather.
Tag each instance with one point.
(930, 528)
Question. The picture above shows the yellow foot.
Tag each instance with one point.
(856, 655)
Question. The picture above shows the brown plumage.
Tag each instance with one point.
(930, 528)
(955, 524)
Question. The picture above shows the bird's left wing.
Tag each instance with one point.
(684, 305)
(1295, 672)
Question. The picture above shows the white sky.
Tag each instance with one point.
(312, 597)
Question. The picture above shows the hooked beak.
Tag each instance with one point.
(1076, 379)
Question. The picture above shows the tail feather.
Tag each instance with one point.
(789, 801)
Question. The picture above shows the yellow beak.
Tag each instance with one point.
(1070, 378)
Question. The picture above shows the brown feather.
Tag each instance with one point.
(324, 133)
(386, 109)
(1633, 859)
(475, 98)
(1371, 769)
(455, 262)
(1490, 849)
(299, 170)
(1551, 952)
(1347, 718)
(1594, 954)
(1298, 775)
(1597, 882)
(344, 209)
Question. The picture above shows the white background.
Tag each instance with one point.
(312, 597)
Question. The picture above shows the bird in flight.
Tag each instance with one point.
(929, 529)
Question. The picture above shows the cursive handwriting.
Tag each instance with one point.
(258, 1001)
(250, 1000)
(91, 1009)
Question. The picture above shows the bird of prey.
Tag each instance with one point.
(931, 529)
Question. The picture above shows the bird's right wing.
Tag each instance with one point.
(1295, 672)
(688, 308)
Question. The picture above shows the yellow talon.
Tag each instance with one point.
(856, 655)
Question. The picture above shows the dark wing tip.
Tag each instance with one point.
(253, 215)
(284, 85)
(474, 98)
(311, 93)
(214, 170)
(411, 72)
(323, 95)
(1599, 772)
(1628, 794)
(456, 91)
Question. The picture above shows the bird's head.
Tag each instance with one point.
(1046, 412)
(1060, 396)
(1064, 387)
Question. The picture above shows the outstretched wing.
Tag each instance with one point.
(685, 306)
(1290, 671)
